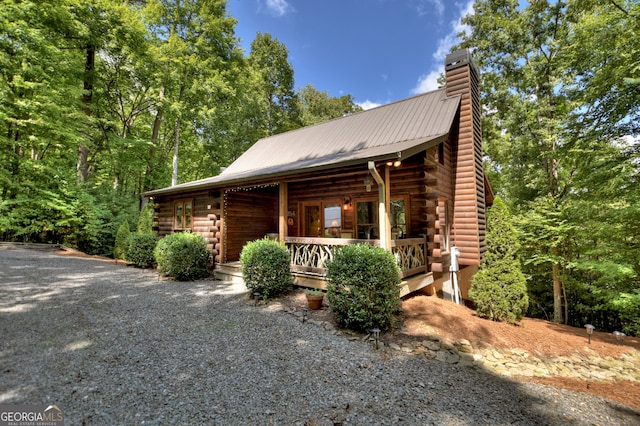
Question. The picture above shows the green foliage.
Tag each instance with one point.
(266, 267)
(140, 249)
(145, 223)
(362, 287)
(499, 289)
(122, 241)
(317, 107)
(182, 255)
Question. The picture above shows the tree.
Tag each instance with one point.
(499, 289)
(196, 43)
(554, 108)
(317, 107)
(270, 59)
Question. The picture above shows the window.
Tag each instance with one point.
(367, 220)
(183, 214)
(332, 220)
(398, 220)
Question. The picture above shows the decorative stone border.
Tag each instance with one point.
(504, 362)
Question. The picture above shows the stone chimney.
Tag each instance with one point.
(469, 208)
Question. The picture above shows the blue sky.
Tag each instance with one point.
(379, 51)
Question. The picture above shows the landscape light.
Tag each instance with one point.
(619, 336)
(376, 336)
(305, 312)
(590, 329)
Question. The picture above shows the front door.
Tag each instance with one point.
(312, 226)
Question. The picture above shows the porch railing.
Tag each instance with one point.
(309, 255)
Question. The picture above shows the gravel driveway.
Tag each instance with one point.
(113, 345)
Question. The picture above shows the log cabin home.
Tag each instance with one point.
(407, 176)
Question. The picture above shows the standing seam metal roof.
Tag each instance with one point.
(386, 130)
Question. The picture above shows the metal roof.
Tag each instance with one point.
(396, 130)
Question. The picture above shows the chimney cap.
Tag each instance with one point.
(457, 59)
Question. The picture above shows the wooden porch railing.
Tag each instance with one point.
(309, 255)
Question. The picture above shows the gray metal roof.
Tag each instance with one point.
(396, 130)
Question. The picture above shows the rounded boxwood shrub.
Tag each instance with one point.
(266, 267)
(363, 287)
(499, 289)
(182, 255)
(140, 249)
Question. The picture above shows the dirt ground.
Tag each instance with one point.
(424, 315)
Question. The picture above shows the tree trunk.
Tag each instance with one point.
(155, 132)
(83, 151)
(557, 294)
(176, 145)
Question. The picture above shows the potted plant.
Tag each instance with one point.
(314, 298)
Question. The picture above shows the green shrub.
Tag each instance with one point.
(182, 255)
(499, 289)
(140, 249)
(363, 287)
(122, 241)
(145, 222)
(266, 267)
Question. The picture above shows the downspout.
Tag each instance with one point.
(382, 210)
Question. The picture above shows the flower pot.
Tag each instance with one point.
(314, 302)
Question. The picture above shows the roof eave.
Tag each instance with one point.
(247, 178)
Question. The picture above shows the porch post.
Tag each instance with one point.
(387, 207)
(385, 233)
(282, 211)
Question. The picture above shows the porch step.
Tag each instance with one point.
(229, 272)
(415, 283)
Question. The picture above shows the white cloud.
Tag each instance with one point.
(445, 43)
(278, 7)
(368, 104)
(429, 81)
(425, 7)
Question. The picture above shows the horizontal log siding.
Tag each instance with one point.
(205, 220)
(249, 215)
(421, 180)
(469, 221)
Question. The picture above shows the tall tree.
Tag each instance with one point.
(270, 59)
(552, 111)
(196, 42)
(316, 106)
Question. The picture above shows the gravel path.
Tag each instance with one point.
(112, 345)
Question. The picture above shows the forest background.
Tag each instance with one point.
(101, 100)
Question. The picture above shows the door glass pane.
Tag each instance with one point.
(312, 226)
(187, 215)
(332, 220)
(368, 220)
(398, 220)
(179, 214)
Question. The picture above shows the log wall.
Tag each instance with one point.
(206, 218)
(250, 214)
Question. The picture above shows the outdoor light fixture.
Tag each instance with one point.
(346, 202)
(367, 183)
(376, 336)
(305, 312)
(256, 297)
(590, 329)
(394, 163)
(619, 336)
